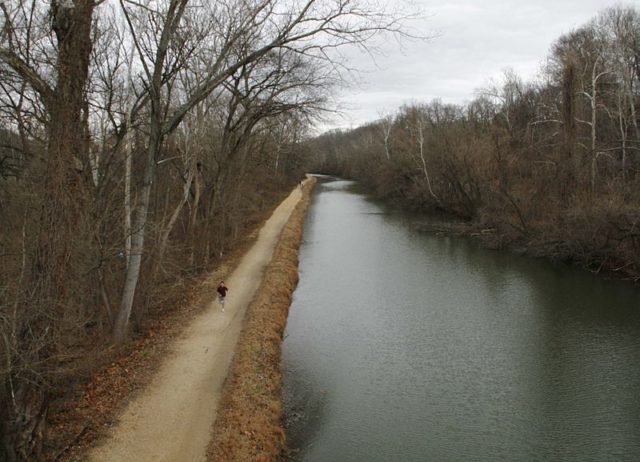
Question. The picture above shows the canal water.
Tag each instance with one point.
(403, 346)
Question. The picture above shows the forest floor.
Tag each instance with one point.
(171, 419)
(172, 389)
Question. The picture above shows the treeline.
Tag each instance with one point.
(137, 141)
(549, 166)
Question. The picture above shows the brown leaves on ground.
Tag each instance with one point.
(79, 418)
(91, 406)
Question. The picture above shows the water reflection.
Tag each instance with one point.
(430, 348)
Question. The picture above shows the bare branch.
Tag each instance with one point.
(27, 73)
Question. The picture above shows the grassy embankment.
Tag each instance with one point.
(249, 421)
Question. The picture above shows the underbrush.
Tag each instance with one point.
(86, 404)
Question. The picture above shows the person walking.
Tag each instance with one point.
(222, 293)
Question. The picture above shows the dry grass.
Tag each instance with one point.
(248, 426)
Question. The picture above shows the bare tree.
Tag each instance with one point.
(386, 123)
(596, 72)
(239, 34)
(62, 205)
(619, 28)
(417, 127)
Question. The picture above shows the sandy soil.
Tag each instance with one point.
(171, 420)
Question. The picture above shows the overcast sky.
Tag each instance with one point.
(475, 40)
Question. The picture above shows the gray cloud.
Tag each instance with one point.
(474, 42)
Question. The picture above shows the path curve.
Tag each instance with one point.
(171, 420)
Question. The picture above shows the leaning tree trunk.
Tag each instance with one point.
(166, 232)
(137, 237)
(53, 272)
(156, 134)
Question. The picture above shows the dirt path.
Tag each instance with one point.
(172, 418)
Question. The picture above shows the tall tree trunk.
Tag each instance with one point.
(65, 191)
(387, 125)
(156, 125)
(568, 113)
(423, 162)
(594, 120)
(137, 237)
(166, 232)
(622, 126)
(54, 271)
(128, 162)
(194, 213)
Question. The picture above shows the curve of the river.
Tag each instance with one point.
(402, 346)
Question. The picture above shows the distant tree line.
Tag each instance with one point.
(549, 166)
(137, 140)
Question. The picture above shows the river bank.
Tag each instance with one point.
(548, 244)
(249, 421)
(597, 241)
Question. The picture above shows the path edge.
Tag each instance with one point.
(249, 420)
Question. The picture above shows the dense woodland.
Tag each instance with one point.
(549, 167)
(139, 139)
